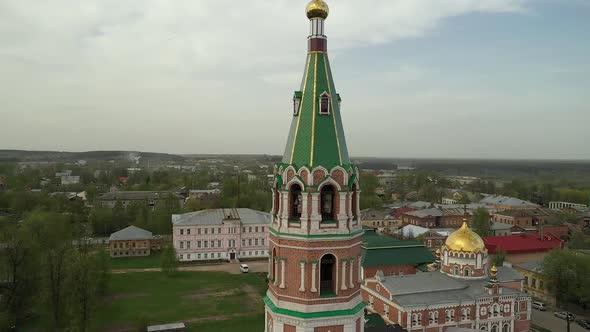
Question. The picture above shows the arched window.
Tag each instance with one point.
(483, 328)
(327, 200)
(296, 102)
(506, 328)
(456, 270)
(328, 275)
(494, 328)
(325, 103)
(272, 258)
(295, 202)
(277, 199)
(354, 203)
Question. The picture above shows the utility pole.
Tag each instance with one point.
(238, 201)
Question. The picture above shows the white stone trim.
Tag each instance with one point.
(317, 248)
(314, 267)
(282, 285)
(308, 308)
(302, 267)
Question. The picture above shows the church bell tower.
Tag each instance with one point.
(316, 234)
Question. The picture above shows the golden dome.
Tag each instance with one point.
(494, 269)
(464, 239)
(317, 8)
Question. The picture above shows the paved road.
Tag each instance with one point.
(547, 320)
(257, 266)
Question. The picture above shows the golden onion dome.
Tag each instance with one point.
(317, 9)
(494, 269)
(464, 239)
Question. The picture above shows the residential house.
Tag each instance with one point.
(526, 218)
(565, 205)
(524, 247)
(535, 282)
(436, 217)
(500, 229)
(130, 241)
(221, 234)
(380, 219)
(69, 179)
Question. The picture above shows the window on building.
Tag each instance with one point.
(188, 256)
(296, 102)
(262, 230)
(261, 242)
(212, 230)
(534, 283)
(371, 299)
(243, 242)
(218, 255)
(205, 255)
(219, 230)
(188, 244)
(256, 253)
(243, 229)
(199, 256)
(181, 256)
(386, 310)
(327, 200)
(198, 231)
(188, 231)
(181, 244)
(325, 103)
(219, 243)
(205, 243)
(249, 229)
(249, 242)
(212, 243)
(295, 202)
(181, 231)
(198, 244)
(205, 230)
(328, 275)
(255, 242)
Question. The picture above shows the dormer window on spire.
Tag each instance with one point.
(296, 102)
(325, 103)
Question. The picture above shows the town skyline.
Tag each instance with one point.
(489, 80)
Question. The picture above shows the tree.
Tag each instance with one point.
(567, 276)
(169, 263)
(53, 234)
(18, 267)
(481, 222)
(499, 257)
(82, 285)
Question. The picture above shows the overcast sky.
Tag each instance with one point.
(418, 78)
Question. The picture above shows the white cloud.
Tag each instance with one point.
(185, 75)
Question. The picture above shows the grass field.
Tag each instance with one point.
(135, 262)
(205, 301)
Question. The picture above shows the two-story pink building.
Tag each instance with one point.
(226, 234)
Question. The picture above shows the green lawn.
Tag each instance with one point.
(136, 262)
(206, 301)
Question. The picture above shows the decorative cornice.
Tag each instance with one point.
(309, 315)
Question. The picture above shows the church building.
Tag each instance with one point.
(464, 291)
(315, 236)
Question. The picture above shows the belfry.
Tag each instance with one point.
(315, 235)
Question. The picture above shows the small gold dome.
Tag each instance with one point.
(317, 8)
(464, 239)
(494, 269)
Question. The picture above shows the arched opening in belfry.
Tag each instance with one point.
(354, 201)
(277, 199)
(272, 265)
(327, 203)
(295, 202)
(328, 275)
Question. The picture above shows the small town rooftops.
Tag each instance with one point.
(219, 216)
(533, 266)
(131, 233)
(500, 226)
(506, 200)
(380, 250)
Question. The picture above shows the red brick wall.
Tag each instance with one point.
(289, 328)
(290, 175)
(358, 325)
(304, 175)
(338, 175)
(522, 326)
(318, 175)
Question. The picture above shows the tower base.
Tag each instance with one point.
(285, 320)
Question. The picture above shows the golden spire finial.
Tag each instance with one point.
(317, 9)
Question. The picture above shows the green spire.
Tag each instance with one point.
(316, 139)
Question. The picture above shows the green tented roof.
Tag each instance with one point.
(314, 139)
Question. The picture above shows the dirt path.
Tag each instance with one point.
(234, 268)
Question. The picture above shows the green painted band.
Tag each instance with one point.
(316, 236)
(306, 315)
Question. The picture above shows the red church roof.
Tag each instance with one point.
(398, 213)
(522, 243)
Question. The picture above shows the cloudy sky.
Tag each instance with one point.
(418, 78)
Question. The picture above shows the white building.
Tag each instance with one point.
(70, 179)
(226, 234)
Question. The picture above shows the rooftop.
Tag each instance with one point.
(522, 243)
(379, 250)
(131, 233)
(506, 200)
(534, 266)
(219, 216)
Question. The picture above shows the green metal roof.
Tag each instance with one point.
(381, 250)
(314, 139)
